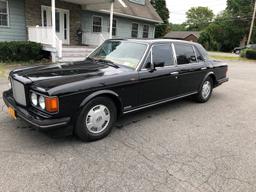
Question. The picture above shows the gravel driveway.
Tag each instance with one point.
(177, 147)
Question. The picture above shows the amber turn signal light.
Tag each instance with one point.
(52, 104)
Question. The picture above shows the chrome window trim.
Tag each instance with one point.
(174, 54)
(143, 57)
(142, 68)
(159, 102)
(187, 64)
(195, 53)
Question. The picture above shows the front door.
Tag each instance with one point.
(62, 22)
(160, 84)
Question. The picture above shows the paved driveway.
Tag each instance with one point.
(180, 147)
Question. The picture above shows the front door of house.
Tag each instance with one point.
(62, 22)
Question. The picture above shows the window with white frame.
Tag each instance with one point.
(135, 29)
(145, 31)
(141, 2)
(4, 13)
(96, 24)
(114, 27)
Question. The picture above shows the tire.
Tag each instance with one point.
(96, 119)
(204, 94)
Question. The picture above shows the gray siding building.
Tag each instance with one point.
(137, 19)
(77, 22)
(12, 20)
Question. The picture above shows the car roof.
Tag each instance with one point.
(152, 41)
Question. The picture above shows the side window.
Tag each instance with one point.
(162, 54)
(199, 55)
(185, 54)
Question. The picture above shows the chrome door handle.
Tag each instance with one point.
(174, 73)
(204, 68)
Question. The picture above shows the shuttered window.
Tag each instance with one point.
(135, 29)
(145, 31)
(97, 24)
(4, 13)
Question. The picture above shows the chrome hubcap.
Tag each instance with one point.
(98, 119)
(206, 90)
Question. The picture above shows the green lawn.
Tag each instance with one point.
(2, 70)
(230, 58)
(6, 67)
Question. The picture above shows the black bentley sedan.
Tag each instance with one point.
(119, 77)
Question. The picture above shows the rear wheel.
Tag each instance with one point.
(96, 119)
(205, 91)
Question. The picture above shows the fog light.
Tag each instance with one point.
(34, 99)
(42, 102)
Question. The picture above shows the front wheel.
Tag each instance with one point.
(96, 119)
(205, 91)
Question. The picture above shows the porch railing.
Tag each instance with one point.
(44, 36)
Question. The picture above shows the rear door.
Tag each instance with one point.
(159, 84)
(191, 67)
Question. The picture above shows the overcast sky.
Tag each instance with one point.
(178, 8)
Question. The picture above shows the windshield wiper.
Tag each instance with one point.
(108, 62)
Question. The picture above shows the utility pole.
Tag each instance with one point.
(252, 25)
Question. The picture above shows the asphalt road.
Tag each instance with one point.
(223, 54)
(177, 147)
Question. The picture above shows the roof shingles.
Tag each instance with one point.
(181, 34)
(142, 12)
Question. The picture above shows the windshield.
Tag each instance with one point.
(120, 52)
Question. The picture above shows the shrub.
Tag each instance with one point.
(242, 53)
(20, 51)
(248, 53)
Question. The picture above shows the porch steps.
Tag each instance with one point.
(75, 53)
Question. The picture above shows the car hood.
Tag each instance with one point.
(50, 76)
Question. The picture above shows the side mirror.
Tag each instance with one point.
(152, 66)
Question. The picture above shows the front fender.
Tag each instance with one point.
(98, 93)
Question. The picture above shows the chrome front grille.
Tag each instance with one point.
(18, 90)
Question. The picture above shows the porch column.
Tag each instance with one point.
(53, 25)
(111, 19)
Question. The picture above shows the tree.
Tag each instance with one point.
(162, 10)
(199, 18)
(241, 11)
(178, 27)
(223, 34)
(230, 27)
